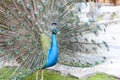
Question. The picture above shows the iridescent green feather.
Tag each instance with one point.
(45, 43)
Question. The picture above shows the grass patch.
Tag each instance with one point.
(100, 76)
(52, 75)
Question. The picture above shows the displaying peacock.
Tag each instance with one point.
(36, 34)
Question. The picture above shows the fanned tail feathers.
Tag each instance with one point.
(25, 32)
(78, 48)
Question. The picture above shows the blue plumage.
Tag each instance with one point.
(52, 52)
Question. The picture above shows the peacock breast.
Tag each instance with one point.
(52, 53)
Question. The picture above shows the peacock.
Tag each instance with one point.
(36, 34)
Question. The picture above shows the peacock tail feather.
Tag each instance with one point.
(25, 36)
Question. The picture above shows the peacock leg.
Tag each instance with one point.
(36, 75)
(42, 71)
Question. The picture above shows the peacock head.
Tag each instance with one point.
(55, 30)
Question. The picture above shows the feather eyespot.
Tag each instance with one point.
(2, 30)
(40, 8)
(18, 38)
(29, 6)
(2, 51)
(20, 1)
(9, 13)
(20, 14)
(12, 27)
(10, 42)
(16, 51)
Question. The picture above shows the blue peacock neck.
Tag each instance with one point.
(52, 52)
